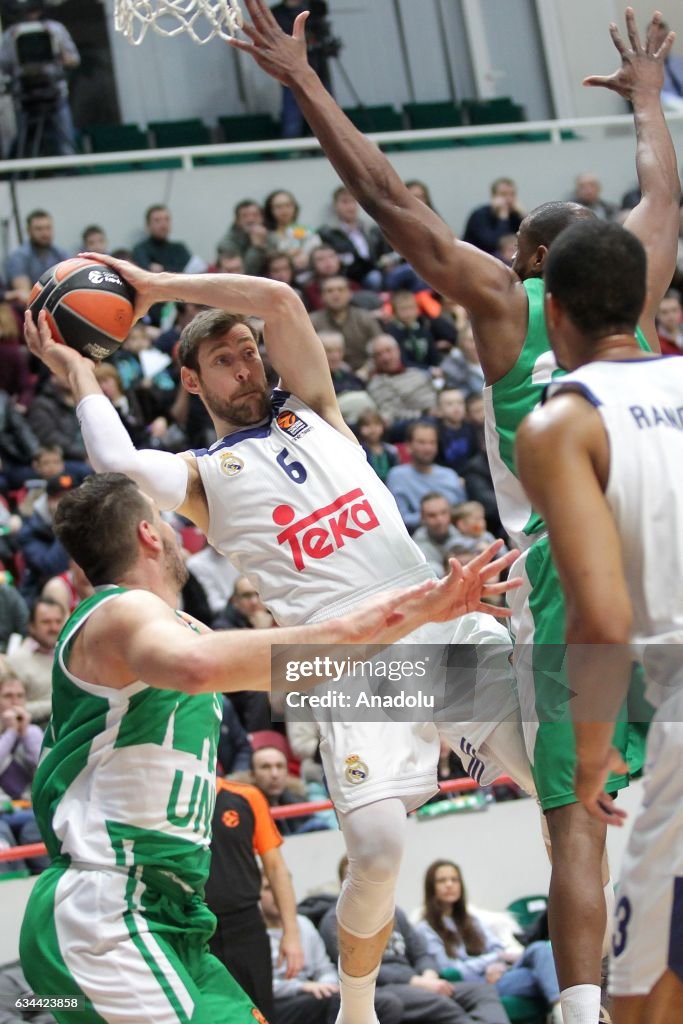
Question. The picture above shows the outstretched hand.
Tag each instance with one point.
(642, 67)
(59, 359)
(273, 50)
(143, 282)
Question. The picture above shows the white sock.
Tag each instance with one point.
(357, 998)
(580, 1004)
(609, 904)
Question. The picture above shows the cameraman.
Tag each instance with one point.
(39, 83)
(320, 44)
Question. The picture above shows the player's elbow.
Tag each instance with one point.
(284, 303)
(596, 626)
(199, 674)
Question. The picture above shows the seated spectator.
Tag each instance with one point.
(402, 394)
(13, 988)
(413, 332)
(94, 239)
(47, 462)
(228, 261)
(588, 193)
(167, 340)
(245, 609)
(470, 522)
(216, 576)
(436, 534)
(382, 456)
(20, 743)
(69, 588)
(31, 259)
(149, 377)
(324, 263)
(279, 266)
(269, 773)
(411, 482)
(18, 445)
(457, 440)
(306, 998)
(479, 486)
(458, 940)
(337, 314)
(247, 235)
(352, 397)
(409, 973)
(507, 249)
(670, 324)
(129, 409)
(351, 240)
(52, 418)
(461, 367)
(242, 829)
(475, 416)
(156, 251)
(44, 555)
(500, 216)
(13, 612)
(15, 377)
(234, 748)
(285, 234)
(32, 661)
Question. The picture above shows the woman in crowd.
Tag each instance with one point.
(459, 940)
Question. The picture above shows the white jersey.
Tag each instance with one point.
(294, 505)
(641, 405)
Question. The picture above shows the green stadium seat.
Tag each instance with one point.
(249, 127)
(191, 132)
(115, 138)
(519, 1009)
(383, 118)
(433, 115)
(526, 909)
(501, 110)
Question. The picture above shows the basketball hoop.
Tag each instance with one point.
(202, 20)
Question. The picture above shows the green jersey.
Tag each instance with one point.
(507, 402)
(127, 778)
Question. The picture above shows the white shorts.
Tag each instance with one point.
(367, 761)
(648, 925)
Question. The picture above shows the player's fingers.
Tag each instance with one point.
(665, 49)
(632, 29)
(651, 31)
(250, 32)
(260, 14)
(31, 333)
(482, 559)
(490, 589)
(601, 81)
(616, 39)
(299, 31)
(44, 331)
(499, 611)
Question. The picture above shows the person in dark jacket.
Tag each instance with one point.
(53, 419)
(43, 553)
(18, 445)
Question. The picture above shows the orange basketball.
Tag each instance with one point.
(89, 306)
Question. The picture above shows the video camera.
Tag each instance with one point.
(321, 39)
(39, 80)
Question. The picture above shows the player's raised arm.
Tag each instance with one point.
(453, 268)
(560, 462)
(167, 478)
(655, 221)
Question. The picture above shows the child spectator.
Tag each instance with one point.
(381, 455)
(149, 378)
(413, 332)
(457, 440)
(470, 522)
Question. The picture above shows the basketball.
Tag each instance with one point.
(89, 306)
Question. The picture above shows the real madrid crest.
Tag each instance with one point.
(356, 771)
(230, 464)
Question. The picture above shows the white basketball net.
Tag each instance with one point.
(202, 20)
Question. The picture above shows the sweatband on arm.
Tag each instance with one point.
(162, 475)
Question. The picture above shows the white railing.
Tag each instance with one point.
(187, 154)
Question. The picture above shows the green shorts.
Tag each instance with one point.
(130, 953)
(544, 692)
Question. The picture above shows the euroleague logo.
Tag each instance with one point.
(292, 424)
(230, 819)
(97, 277)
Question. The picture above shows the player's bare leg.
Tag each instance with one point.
(577, 908)
(664, 1004)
